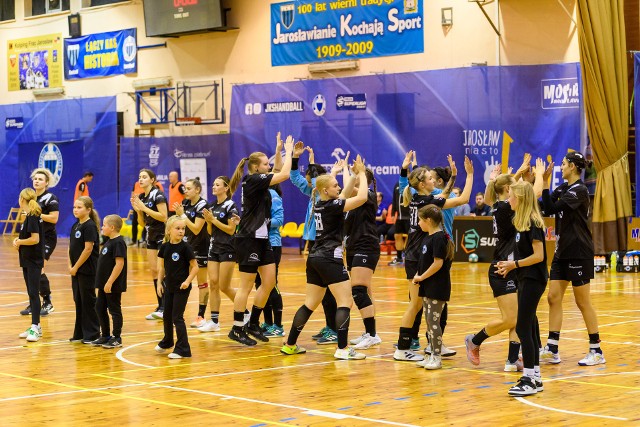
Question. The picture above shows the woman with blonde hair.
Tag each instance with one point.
(530, 263)
(252, 240)
(325, 268)
(30, 246)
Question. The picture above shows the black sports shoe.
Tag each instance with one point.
(256, 332)
(100, 340)
(89, 341)
(26, 311)
(525, 387)
(47, 308)
(242, 337)
(113, 343)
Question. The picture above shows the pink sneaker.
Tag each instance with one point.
(473, 351)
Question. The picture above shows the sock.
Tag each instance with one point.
(536, 372)
(552, 341)
(514, 349)
(415, 329)
(246, 311)
(268, 313)
(330, 306)
(342, 322)
(529, 372)
(215, 316)
(594, 342)
(44, 284)
(238, 320)
(155, 291)
(202, 308)
(370, 325)
(480, 337)
(299, 320)
(404, 339)
(399, 254)
(255, 315)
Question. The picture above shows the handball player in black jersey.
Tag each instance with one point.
(252, 239)
(192, 208)
(41, 179)
(151, 209)
(325, 268)
(417, 190)
(530, 264)
(573, 258)
(362, 249)
(222, 254)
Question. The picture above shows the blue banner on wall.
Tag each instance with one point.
(99, 55)
(491, 114)
(307, 31)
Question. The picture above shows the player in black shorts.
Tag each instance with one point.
(530, 265)
(222, 255)
(151, 208)
(421, 181)
(252, 239)
(198, 238)
(325, 268)
(573, 259)
(362, 253)
(41, 178)
(504, 288)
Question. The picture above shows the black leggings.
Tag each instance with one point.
(529, 294)
(32, 280)
(273, 308)
(174, 306)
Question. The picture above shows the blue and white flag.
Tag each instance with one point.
(99, 55)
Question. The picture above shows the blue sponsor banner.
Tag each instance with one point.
(307, 31)
(491, 114)
(354, 101)
(99, 55)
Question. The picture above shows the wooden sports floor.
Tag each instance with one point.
(54, 382)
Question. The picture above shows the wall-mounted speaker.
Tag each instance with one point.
(74, 25)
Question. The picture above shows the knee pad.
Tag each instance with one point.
(361, 297)
(203, 285)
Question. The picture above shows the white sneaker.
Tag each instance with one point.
(407, 356)
(175, 356)
(513, 367)
(159, 349)
(368, 342)
(200, 321)
(547, 356)
(34, 334)
(356, 341)
(592, 358)
(209, 326)
(444, 350)
(434, 362)
(25, 333)
(150, 316)
(348, 353)
(157, 315)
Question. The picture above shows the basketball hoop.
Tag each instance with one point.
(188, 121)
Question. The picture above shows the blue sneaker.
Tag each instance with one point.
(275, 331)
(329, 337)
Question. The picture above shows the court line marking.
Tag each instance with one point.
(60, 393)
(564, 411)
(142, 399)
(262, 402)
(120, 354)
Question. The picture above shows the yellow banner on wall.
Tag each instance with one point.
(35, 62)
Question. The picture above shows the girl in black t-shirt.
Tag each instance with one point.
(192, 208)
(84, 240)
(325, 268)
(417, 189)
(530, 265)
(572, 260)
(30, 246)
(48, 201)
(151, 209)
(177, 267)
(433, 283)
(252, 239)
(222, 254)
